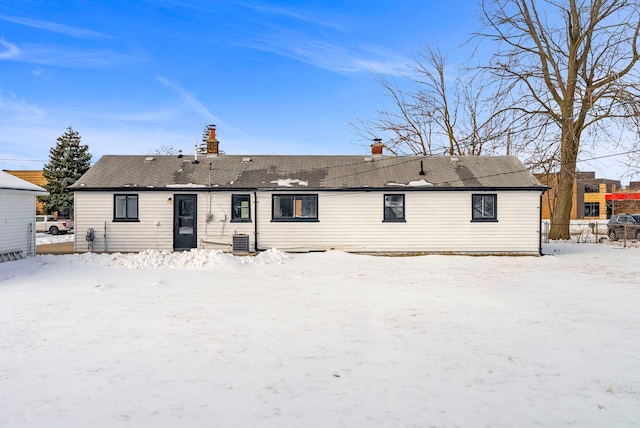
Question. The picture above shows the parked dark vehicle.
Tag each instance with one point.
(621, 223)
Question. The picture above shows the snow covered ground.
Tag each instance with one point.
(204, 339)
(46, 238)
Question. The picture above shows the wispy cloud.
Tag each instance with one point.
(144, 116)
(9, 50)
(300, 34)
(298, 15)
(55, 27)
(394, 67)
(327, 55)
(197, 5)
(71, 57)
(189, 99)
(317, 40)
(12, 106)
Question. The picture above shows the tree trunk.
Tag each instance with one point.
(561, 216)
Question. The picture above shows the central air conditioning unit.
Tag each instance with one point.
(241, 243)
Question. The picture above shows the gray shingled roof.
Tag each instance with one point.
(306, 172)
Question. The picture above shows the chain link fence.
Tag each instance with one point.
(590, 231)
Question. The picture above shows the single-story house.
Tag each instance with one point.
(407, 204)
(17, 217)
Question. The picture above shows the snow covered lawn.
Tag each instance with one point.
(204, 339)
(46, 238)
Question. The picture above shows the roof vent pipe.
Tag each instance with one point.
(195, 152)
(421, 169)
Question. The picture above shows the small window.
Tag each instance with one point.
(484, 207)
(591, 209)
(394, 208)
(240, 208)
(295, 208)
(125, 208)
(591, 188)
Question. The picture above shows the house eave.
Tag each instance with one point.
(33, 191)
(541, 189)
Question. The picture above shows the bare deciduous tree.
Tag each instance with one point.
(437, 114)
(570, 67)
(633, 163)
(165, 150)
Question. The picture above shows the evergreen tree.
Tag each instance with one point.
(68, 160)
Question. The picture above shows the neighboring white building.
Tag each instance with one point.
(409, 204)
(17, 216)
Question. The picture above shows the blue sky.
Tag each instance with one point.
(276, 77)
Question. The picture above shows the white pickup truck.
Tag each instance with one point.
(49, 224)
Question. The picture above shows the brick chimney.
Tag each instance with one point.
(211, 140)
(376, 147)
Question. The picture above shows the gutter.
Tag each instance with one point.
(542, 189)
(255, 221)
(540, 227)
(540, 221)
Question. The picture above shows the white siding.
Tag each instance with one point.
(436, 221)
(154, 230)
(17, 221)
(218, 232)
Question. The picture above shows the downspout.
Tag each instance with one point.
(255, 221)
(32, 238)
(540, 226)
